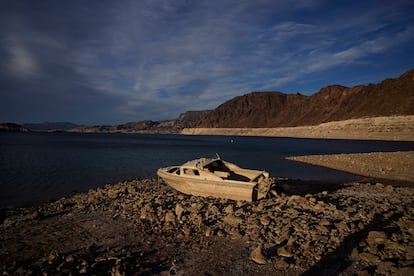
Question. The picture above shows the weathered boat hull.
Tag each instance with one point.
(227, 189)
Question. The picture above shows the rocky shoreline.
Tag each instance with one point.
(144, 227)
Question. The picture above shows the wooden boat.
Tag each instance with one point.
(217, 178)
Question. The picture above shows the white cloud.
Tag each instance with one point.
(21, 63)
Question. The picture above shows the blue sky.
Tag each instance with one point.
(109, 62)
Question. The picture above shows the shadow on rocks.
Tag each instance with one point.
(303, 187)
(2, 215)
(337, 261)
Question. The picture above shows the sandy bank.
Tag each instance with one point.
(387, 165)
(396, 128)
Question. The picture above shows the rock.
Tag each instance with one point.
(69, 259)
(396, 249)
(232, 220)
(179, 210)
(147, 212)
(52, 256)
(208, 232)
(370, 258)
(376, 237)
(281, 265)
(389, 189)
(264, 221)
(405, 271)
(342, 227)
(385, 267)
(296, 199)
(131, 189)
(112, 194)
(324, 222)
(284, 236)
(213, 210)
(363, 273)
(257, 256)
(239, 212)
(322, 229)
(196, 219)
(220, 233)
(235, 234)
(170, 217)
(186, 231)
(229, 209)
(355, 254)
(33, 215)
(284, 252)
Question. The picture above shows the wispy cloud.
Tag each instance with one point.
(358, 52)
(21, 62)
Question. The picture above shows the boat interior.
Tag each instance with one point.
(220, 169)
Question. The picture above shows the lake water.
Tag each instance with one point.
(37, 167)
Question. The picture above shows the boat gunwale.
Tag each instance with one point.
(218, 179)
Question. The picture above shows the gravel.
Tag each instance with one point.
(144, 227)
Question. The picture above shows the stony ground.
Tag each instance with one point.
(143, 227)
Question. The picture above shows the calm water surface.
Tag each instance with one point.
(37, 167)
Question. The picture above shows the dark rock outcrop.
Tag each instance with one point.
(12, 127)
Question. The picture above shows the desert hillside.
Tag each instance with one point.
(391, 97)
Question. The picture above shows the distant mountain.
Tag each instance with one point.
(12, 127)
(50, 126)
(272, 109)
(331, 103)
(185, 120)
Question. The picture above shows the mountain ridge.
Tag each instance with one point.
(391, 97)
(184, 120)
(50, 126)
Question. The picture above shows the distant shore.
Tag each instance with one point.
(394, 128)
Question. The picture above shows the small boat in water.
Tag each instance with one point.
(217, 178)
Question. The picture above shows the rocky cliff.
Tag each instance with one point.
(332, 103)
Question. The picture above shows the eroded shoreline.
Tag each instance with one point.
(392, 128)
(145, 227)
